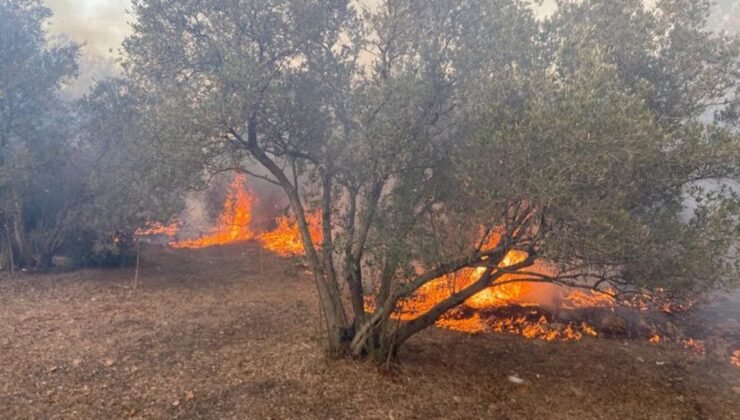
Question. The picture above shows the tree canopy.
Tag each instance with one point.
(76, 178)
(441, 135)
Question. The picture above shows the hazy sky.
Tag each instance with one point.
(103, 24)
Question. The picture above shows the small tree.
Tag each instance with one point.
(33, 120)
(442, 135)
(75, 178)
(122, 183)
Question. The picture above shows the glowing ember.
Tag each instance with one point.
(286, 240)
(588, 330)
(694, 345)
(233, 222)
(540, 329)
(655, 339)
(537, 328)
(735, 359)
(472, 325)
(588, 299)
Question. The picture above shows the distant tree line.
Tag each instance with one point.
(76, 178)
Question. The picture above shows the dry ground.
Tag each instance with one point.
(232, 333)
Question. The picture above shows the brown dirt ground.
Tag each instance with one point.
(232, 332)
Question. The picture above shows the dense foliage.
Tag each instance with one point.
(76, 178)
(439, 135)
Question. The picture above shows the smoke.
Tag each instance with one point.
(726, 16)
(544, 8)
(270, 203)
(100, 26)
(203, 208)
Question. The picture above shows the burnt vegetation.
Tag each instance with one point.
(440, 162)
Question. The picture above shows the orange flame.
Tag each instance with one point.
(472, 325)
(233, 222)
(234, 225)
(735, 359)
(588, 299)
(520, 294)
(286, 240)
(157, 228)
(503, 294)
(541, 329)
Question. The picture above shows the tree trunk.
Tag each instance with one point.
(330, 297)
(352, 267)
(11, 257)
(23, 254)
(138, 263)
(381, 336)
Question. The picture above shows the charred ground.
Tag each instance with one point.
(232, 332)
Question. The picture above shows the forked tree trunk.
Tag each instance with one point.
(337, 332)
(378, 335)
(324, 276)
(382, 336)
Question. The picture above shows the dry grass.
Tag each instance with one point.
(232, 333)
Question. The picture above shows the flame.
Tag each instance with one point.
(504, 294)
(233, 225)
(588, 329)
(534, 325)
(472, 325)
(156, 228)
(233, 222)
(286, 240)
(735, 359)
(540, 329)
(588, 299)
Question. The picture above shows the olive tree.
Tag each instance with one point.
(445, 135)
(32, 116)
(116, 164)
